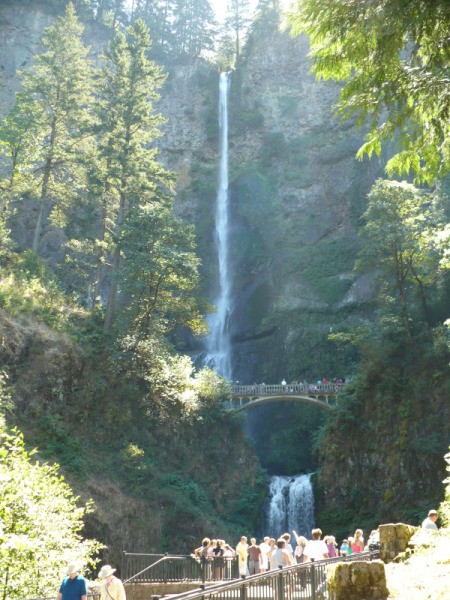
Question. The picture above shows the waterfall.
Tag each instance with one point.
(290, 506)
(218, 345)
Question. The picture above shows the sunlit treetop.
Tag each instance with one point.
(393, 56)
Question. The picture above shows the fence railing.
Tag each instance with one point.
(89, 597)
(305, 581)
(167, 568)
(290, 388)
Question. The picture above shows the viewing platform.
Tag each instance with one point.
(318, 394)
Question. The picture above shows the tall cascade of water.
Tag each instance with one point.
(218, 344)
(290, 506)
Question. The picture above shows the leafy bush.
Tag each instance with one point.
(26, 288)
(444, 508)
(40, 523)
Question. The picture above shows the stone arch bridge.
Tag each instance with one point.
(247, 396)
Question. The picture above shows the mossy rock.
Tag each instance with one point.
(357, 581)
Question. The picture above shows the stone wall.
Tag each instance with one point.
(145, 591)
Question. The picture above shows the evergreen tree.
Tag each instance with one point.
(267, 17)
(160, 273)
(15, 157)
(158, 16)
(236, 23)
(193, 26)
(45, 134)
(128, 172)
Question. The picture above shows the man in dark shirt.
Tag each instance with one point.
(254, 552)
(74, 585)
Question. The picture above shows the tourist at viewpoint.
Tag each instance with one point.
(316, 548)
(254, 554)
(112, 588)
(241, 551)
(74, 586)
(430, 521)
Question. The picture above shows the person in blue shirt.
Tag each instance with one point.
(74, 586)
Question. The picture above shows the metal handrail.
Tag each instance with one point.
(170, 568)
(282, 583)
(259, 389)
(146, 569)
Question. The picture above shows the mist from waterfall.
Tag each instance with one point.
(289, 506)
(218, 343)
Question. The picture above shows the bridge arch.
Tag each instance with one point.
(245, 397)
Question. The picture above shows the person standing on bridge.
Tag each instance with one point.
(316, 548)
(254, 553)
(265, 551)
(241, 551)
(280, 557)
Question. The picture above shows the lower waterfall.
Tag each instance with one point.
(289, 506)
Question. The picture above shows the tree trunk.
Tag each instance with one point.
(44, 189)
(112, 296)
(100, 256)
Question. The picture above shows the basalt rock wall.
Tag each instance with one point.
(296, 192)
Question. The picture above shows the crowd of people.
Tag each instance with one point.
(271, 554)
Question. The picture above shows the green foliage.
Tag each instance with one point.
(212, 389)
(44, 138)
(6, 404)
(28, 288)
(160, 270)
(398, 238)
(444, 508)
(318, 265)
(283, 435)
(237, 21)
(40, 523)
(59, 442)
(393, 59)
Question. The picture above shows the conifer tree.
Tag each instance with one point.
(129, 173)
(237, 22)
(193, 26)
(45, 134)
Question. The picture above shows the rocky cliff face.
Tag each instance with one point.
(296, 193)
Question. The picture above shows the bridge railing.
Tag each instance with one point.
(291, 388)
(305, 581)
(161, 568)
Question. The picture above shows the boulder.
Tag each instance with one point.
(394, 539)
(357, 581)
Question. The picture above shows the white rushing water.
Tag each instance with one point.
(218, 344)
(290, 506)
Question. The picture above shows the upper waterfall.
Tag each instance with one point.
(218, 344)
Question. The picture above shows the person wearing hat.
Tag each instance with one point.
(74, 586)
(112, 588)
